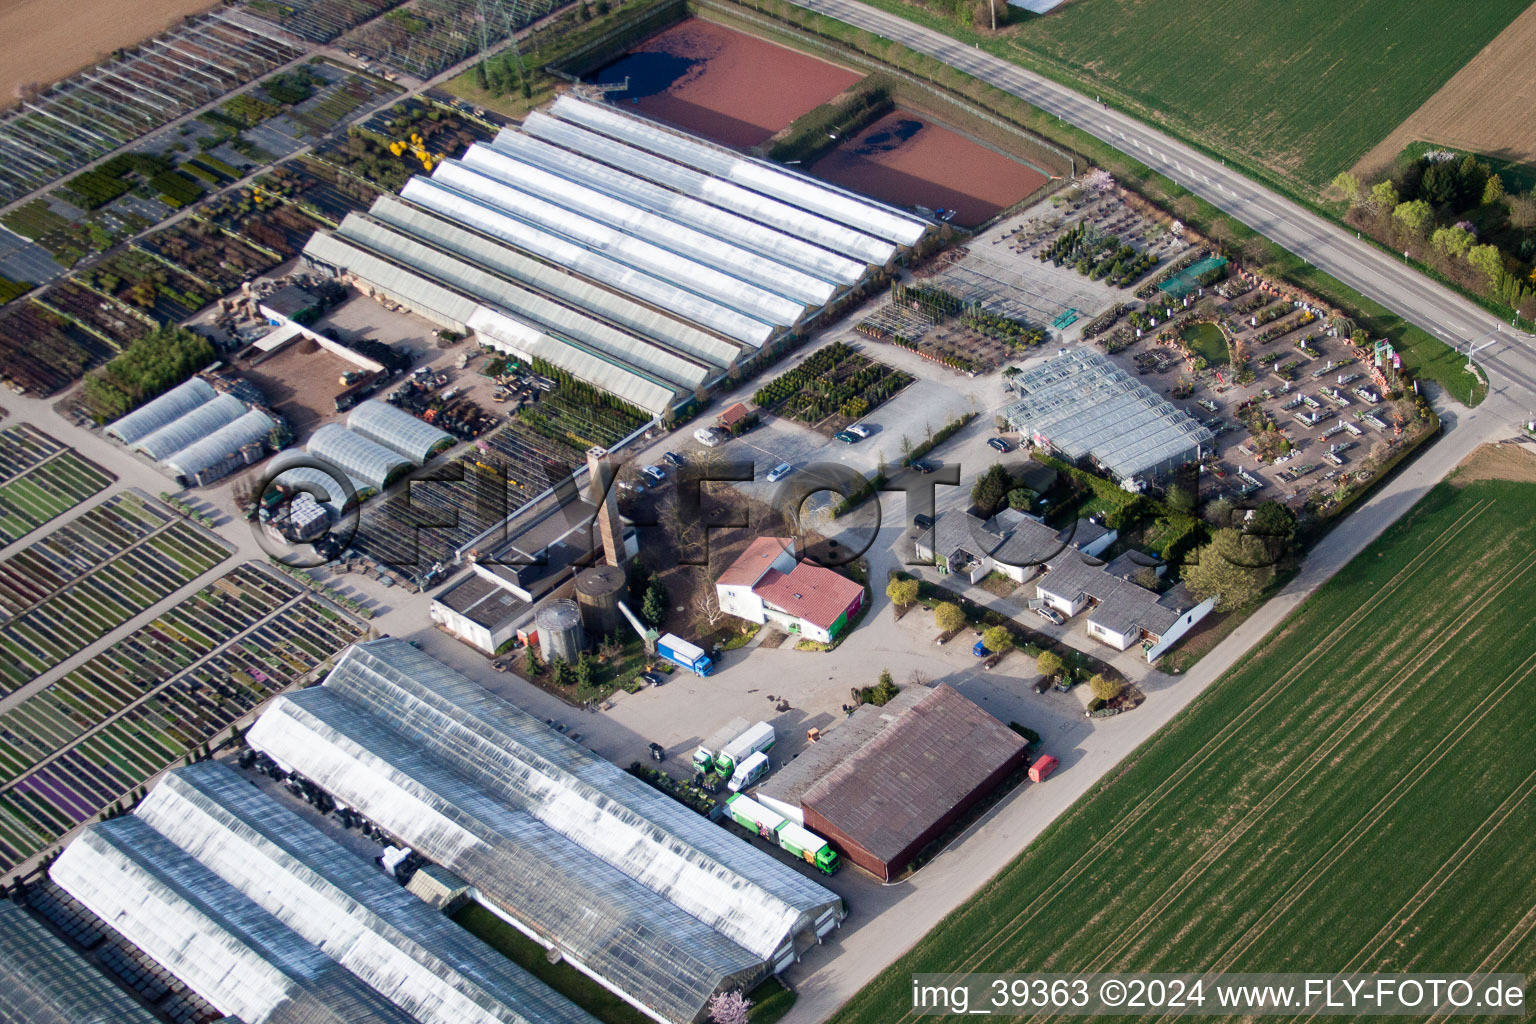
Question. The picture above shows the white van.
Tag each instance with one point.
(749, 772)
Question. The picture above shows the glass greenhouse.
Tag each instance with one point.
(43, 980)
(577, 851)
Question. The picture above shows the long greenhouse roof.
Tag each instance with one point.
(641, 283)
(633, 250)
(787, 217)
(218, 446)
(683, 239)
(45, 981)
(554, 281)
(866, 215)
(725, 224)
(338, 901)
(190, 427)
(539, 311)
(1081, 404)
(731, 885)
(432, 297)
(158, 412)
(363, 459)
(594, 914)
(205, 932)
(397, 429)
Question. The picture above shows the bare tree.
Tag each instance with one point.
(707, 605)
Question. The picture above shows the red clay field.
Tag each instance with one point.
(907, 160)
(722, 84)
(1357, 795)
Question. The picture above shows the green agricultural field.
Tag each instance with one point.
(1357, 794)
(1302, 89)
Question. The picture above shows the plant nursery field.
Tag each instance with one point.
(150, 567)
(40, 479)
(165, 689)
(1357, 794)
(1303, 89)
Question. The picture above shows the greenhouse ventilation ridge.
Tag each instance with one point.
(575, 851)
(639, 260)
(1081, 404)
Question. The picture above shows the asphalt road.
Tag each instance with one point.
(1510, 358)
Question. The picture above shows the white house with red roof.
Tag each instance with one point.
(769, 584)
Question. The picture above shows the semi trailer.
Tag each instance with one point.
(794, 839)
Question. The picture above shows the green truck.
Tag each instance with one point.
(796, 839)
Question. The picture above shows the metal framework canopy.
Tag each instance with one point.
(1080, 403)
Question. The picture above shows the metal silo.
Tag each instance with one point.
(599, 591)
(560, 632)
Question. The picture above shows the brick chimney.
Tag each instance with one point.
(601, 477)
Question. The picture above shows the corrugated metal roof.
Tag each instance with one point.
(404, 284)
(158, 412)
(725, 224)
(45, 981)
(909, 771)
(201, 929)
(218, 446)
(397, 429)
(866, 215)
(721, 254)
(715, 191)
(556, 282)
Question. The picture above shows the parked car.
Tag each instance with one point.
(673, 459)
(634, 487)
(779, 472)
(1051, 615)
(709, 437)
(860, 430)
(922, 522)
(846, 437)
(998, 444)
(922, 466)
(656, 475)
(980, 650)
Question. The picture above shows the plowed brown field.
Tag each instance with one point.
(1488, 107)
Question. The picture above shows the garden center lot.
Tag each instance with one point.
(1348, 797)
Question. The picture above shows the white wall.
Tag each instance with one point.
(468, 631)
(1186, 622)
(1105, 635)
(738, 600)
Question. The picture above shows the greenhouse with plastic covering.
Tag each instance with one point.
(362, 459)
(267, 860)
(237, 443)
(221, 411)
(43, 980)
(162, 411)
(397, 429)
(595, 863)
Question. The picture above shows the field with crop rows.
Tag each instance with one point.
(1357, 794)
(160, 692)
(41, 479)
(1303, 89)
(106, 597)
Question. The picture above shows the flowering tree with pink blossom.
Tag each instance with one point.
(729, 1008)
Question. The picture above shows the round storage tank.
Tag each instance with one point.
(560, 633)
(599, 591)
